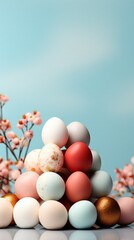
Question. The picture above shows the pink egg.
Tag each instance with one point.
(25, 185)
(127, 210)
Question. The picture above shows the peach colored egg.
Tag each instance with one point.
(51, 158)
(25, 185)
(78, 187)
(53, 215)
(31, 162)
(127, 210)
(6, 212)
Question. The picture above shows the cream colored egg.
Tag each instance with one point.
(31, 162)
(53, 215)
(55, 131)
(26, 212)
(51, 158)
(6, 212)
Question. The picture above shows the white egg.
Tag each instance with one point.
(51, 158)
(77, 133)
(26, 212)
(53, 215)
(31, 162)
(55, 131)
(82, 214)
(50, 185)
(96, 163)
(6, 212)
(101, 183)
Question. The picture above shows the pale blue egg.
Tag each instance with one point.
(82, 214)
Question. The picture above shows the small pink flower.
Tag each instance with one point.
(4, 172)
(14, 174)
(130, 182)
(6, 188)
(23, 142)
(5, 125)
(37, 120)
(16, 141)
(3, 98)
(20, 124)
(29, 117)
(29, 134)
(2, 139)
(11, 134)
(36, 114)
(20, 164)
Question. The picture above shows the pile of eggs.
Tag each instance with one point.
(63, 185)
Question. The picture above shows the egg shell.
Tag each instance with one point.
(78, 187)
(108, 212)
(82, 214)
(78, 157)
(6, 212)
(127, 210)
(96, 163)
(101, 183)
(51, 158)
(31, 161)
(12, 198)
(77, 133)
(50, 185)
(25, 185)
(53, 215)
(55, 131)
(26, 212)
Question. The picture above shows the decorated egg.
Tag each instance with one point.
(50, 185)
(78, 157)
(51, 158)
(82, 214)
(108, 212)
(77, 132)
(78, 187)
(55, 131)
(31, 162)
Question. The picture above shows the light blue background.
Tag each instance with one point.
(73, 59)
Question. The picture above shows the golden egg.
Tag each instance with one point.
(108, 212)
(12, 198)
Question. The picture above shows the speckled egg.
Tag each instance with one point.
(31, 162)
(82, 214)
(101, 183)
(26, 212)
(51, 158)
(50, 185)
(55, 131)
(6, 212)
(77, 132)
(53, 215)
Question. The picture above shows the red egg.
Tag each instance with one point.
(78, 187)
(78, 157)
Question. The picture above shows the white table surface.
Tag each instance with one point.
(39, 233)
